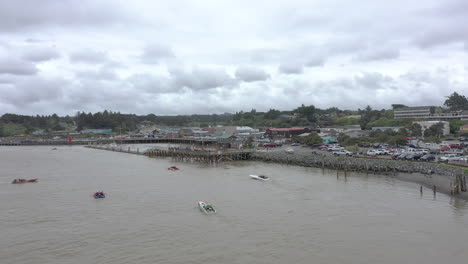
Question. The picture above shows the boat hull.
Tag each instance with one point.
(202, 205)
(25, 181)
(257, 177)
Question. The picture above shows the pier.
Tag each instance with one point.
(204, 156)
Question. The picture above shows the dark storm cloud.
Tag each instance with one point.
(155, 53)
(251, 74)
(16, 67)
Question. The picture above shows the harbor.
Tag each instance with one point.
(151, 214)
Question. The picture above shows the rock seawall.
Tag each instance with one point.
(449, 180)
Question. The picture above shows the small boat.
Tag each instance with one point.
(18, 181)
(99, 195)
(173, 168)
(206, 208)
(259, 177)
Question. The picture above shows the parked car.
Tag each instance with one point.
(342, 152)
(449, 157)
(335, 148)
(295, 144)
(372, 152)
(323, 147)
(289, 150)
(427, 157)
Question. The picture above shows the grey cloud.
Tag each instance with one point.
(154, 53)
(102, 73)
(315, 60)
(38, 54)
(89, 56)
(373, 54)
(372, 80)
(251, 74)
(16, 67)
(23, 14)
(33, 89)
(153, 84)
(291, 68)
(201, 78)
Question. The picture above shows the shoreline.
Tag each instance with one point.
(450, 181)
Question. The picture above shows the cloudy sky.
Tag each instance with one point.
(214, 56)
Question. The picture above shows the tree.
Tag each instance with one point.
(396, 106)
(272, 114)
(403, 132)
(456, 102)
(306, 111)
(397, 140)
(436, 130)
(416, 130)
(312, 139)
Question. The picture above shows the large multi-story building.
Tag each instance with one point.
(428, 112)
(413, 112)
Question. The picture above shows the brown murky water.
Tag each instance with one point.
(302, 215)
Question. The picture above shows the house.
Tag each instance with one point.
(225, 130)
(463, 129)
(329, 140)
(358, 133)
(286, 132)
(383, 129)
(96, 131)
(186, 132)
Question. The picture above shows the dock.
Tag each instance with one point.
(186, 155)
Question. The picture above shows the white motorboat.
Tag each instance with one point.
(259, 177)
(206, 208)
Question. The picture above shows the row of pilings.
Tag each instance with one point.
(210, 157)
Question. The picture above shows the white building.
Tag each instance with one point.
(427, 124)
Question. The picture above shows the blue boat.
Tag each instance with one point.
(99, 195)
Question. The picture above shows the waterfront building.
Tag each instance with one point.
(383, 129)
(286, 132)
(96, 131)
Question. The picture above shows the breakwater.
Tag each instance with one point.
(435, 176)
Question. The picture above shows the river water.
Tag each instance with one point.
(302, 215)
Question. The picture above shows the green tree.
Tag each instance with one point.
(312, 139)
(416, 130)
(307, 112)
(272, 114)
(396, 106)
(456, 101)
(435, 130)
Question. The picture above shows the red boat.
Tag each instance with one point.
(18, 181)
(173, 168)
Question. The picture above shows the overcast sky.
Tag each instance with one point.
(214, 56)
